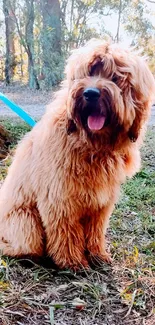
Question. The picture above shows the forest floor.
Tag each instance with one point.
(119, 294)
(34, 102)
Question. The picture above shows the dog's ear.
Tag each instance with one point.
(71, 126)
(134, 130)
(142, 94)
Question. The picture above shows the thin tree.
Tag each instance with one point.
(119, 22)
(9, 32)
(51, 41)
(27, 41)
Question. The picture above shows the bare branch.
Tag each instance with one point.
(19, 31)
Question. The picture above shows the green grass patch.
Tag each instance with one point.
(16, 129)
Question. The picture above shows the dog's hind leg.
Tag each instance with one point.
(21, 232)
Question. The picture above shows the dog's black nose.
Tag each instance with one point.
(91, 94)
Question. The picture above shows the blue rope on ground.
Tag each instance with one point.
(18, 110)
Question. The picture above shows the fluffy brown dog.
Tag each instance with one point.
(66, 175)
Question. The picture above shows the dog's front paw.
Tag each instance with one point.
(98, 259)
(97, 255)
(71, 263)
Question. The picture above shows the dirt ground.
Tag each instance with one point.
(32, 101)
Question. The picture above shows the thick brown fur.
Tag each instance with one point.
(65, 178)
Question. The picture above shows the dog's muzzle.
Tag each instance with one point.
(94, 118)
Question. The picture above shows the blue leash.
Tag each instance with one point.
(18, 110)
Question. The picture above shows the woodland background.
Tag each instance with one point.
(37, 35)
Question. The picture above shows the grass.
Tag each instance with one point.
(120, 294)
(16, 129)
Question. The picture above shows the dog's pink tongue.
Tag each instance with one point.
(96, 122)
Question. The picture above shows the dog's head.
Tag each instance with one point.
(108, 88)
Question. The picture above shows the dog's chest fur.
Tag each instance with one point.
(77, 175)
(91, 179)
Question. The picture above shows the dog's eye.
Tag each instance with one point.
(95, 69)
(115, 79)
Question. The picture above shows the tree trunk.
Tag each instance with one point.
(29, 36)
(21, 62)
(10, 51)
(51, 41)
